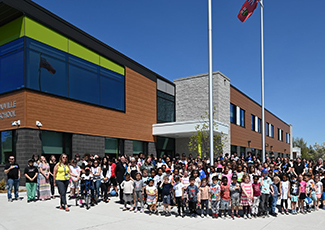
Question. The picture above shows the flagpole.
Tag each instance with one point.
(262, 79)
(210, 83)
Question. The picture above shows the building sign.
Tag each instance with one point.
(7, 109)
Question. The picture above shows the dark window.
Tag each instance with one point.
(83, 84)
(259, 121)
(253, 122)
(56, 143)
(165, 107)
(272, 131)
(267, 129)
(166, 146)
(111, 146)
(140, 147)
(233, 113)
(11, 70)
(242, 118)
(7, 145)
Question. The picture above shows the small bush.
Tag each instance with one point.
(3, 184)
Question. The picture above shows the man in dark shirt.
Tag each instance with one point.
(31, 180)
(13, 177)
(120, 171)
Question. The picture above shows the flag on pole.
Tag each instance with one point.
(247, 10)
(46, 65)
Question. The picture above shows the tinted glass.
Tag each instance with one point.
(112, 93)
(232, 113)
(12, 46)
(46, 49)
(83, 85)
(6, 146)
(253, 122)
(242, 117)
(12, 71)
(166, 110)
(111, 145)
(46, 73)
(267, 129)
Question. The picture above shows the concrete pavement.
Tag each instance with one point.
(46, 215)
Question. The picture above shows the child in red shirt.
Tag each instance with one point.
(225, 197)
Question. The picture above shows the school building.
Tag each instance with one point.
(64, 91)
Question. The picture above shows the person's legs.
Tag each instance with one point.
(97, 185)
(28, 191)
(33, 189)
(62, 187)
(52, 185)
(10, 184)
(16, 188)
(121, 193)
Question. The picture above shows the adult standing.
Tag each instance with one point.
(96, 171)
(147, 165)
(120, 171)
(36, 159)
(52, 165)
(133, 168)
(13, 177)
(299, 167)
(319, 167)
(61, 179)
(44, 182)
(112, 166)
(79, 161)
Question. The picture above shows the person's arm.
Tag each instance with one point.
(28, 177)
(18, 173)
(35, 176)
(55, 171)
(7, 170)
(280, 189)
(271, 189)
(244, 190)
(289, 185)
(99, 171)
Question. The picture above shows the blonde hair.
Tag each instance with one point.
(60, 159)
(276, 179)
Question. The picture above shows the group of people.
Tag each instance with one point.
(192, 185)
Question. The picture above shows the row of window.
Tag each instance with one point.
(54, 71)
(237, 115)
(7, 145)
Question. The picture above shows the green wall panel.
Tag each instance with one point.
(43, 34)
(11, 31)
(82, 52)
(111, 65)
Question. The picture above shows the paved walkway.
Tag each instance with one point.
(46, 215)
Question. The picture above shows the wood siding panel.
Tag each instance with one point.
(65, 115)
(19, 97)
(240, 136)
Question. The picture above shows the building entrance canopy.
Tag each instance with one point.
(183, 129)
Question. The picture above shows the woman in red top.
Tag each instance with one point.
(113, 175)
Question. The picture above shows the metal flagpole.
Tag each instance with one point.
(262, 79)
(210, 84)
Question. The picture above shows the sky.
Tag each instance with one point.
(170, 37)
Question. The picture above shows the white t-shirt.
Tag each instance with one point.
(151, 189)
(284, 189)
(319, 187)
(85, 177)
(75, 170)
(178, 189)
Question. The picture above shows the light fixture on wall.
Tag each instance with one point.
(15, 123)
(39, 124)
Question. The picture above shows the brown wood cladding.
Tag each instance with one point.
(5, 123)
(241, 135)
(65, 115)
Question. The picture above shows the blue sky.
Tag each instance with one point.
(170, 37)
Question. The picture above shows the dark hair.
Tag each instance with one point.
(127, 174)
(204, 179)
(192, 178)
(224, 178)
(256, 177)
(215, 178)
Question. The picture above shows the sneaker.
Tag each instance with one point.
(150, 213)
(124, 209)
(238, 216)
(232, 216)
(216, 216)
(131, 209)
(141, 210)
(249, 216)
(267, 215)
(163, 213)
(168, 214)
(287, 212)
(282, 212)
(135, 210)
(156, 213)
(245, 217)
(202, 216)
(10, 200)
(183, 215)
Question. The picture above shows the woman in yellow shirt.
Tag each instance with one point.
(61, 180)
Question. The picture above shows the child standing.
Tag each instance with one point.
(214, 191)
(310, 190)
(166, 187)
(204, 197)
(128, 189)
(256, 195)
(285, 185)
(275, 194)
(152, 196)
(179, 194)
(302, 195)
(319, 190)
(138, 192)
(186, 182)
(266, 189)
(192, 192)
(235, 196)
(294, 193)
(225, 197)
(31, 173)
(246, 196)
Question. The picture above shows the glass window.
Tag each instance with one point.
(138, 147)
(267, 129)
(232, 113)
(46, 73)
(165, 107)
(46, 49)
(271, 131)
(83, 85)
(242, 118)
(83, 63)
(252, 122)
(259, 121)
(112, 93)
(12, 46)
(12, 71)
(166, 146)
(56, 143)
(7, 146)
(111, 146)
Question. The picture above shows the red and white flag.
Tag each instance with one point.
(247, 10)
